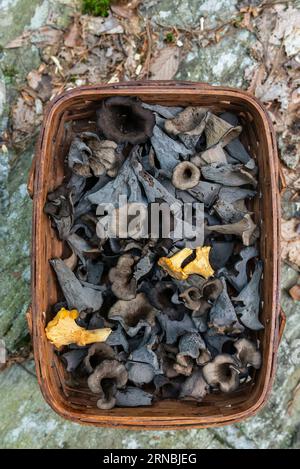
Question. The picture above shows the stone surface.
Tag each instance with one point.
(223, 63)
(15, 227)
(26, 420)
(187, 13)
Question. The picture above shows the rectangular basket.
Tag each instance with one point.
(47, 173)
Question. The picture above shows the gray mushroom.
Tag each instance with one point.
(229, 213)
(245, 228)
(211, 289)
(88, 156)
(200, 316)
(117, 337)
(60, 207)
(121, 277)
(222, 372)
(250, 298)
(191, 298)
(167, 150)
(205, 192)
(185, 175)
(140, 373)
(214, 154)
(174, 329)
(222, 316)
(77, 296)
(188, 125)
(217, 130)
(191, 345)
(247, 353)
(133, 397)
(73, 358)
(228, 174)
(195, 386)
(133, 314)
(220, 253)
(238, 276)
(96, 354)
(113, 371)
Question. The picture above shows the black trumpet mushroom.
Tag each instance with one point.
(123, 119)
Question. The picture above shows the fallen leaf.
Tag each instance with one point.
(72, 38)
(165, 65)
(295, 292)
(290, 241)
(41, 83)
(97, 25)
(19, 41)
(46, 35)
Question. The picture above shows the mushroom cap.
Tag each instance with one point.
(185, 175)
(200, 265)
(112, 370)
(195, 386)
(63, 330)
(123, 119)
(192, 298)
(133, 313)
(123, 285)
(212, 289)
(247, 353)
(172, 265)
(96, 354)
(222, 372)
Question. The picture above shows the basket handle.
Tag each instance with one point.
(163, 84)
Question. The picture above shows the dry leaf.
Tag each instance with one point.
(165, 65)
(290, 241)
(72, 38)
(295, 292)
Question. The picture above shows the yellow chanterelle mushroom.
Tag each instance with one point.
(200, 265)
(63, 330)
(173, 264)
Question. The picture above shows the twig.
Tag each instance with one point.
(146, 67)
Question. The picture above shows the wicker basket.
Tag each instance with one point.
(47, 173)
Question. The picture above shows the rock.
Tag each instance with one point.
(15, 223)
(223, 63)
(28, 422)
(187, 13)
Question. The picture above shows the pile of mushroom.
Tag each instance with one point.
(144, 318)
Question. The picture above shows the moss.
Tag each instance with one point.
(10, 73)
(96, 7)
(169, 37)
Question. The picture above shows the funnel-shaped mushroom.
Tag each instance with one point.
(123, 119)
(133, 314)
(188, 125)
(195, 386)
(173, 264)
(222, 314)
(223, 372)
(250, 299)
(96, 354)
(212, 289)
(247, 353)
(245, 228)
(121, 277)
(185, 175)
(200, 265)
(228, 174)
(63, 330)
(116, 377)
(192, 298)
